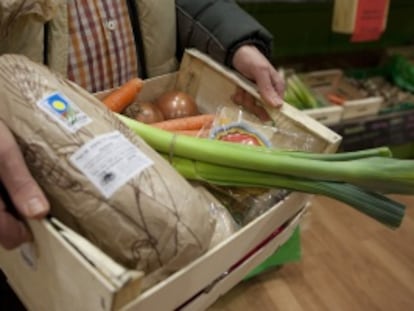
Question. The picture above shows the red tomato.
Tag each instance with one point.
(241, 138)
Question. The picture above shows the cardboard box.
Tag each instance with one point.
(63, 271)
(355, 105)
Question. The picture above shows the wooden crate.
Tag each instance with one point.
(326, 115)
(356, 104)
(63, 271)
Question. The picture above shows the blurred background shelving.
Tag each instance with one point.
(304, 42)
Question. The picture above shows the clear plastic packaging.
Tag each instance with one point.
(238, 126)
(230, 118)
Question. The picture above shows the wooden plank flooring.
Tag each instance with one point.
(349, 263)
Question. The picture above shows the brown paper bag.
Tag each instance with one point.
(101, 179)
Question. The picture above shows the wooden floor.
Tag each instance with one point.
(349, 262)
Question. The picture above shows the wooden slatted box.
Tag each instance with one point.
(63, 271)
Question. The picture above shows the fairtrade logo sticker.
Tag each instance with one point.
(63, 111)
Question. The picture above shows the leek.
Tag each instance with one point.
(377, 206)
(380, 174)
(355, 178)
(353, 155)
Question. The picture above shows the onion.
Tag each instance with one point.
(176, 104)
(145, 112)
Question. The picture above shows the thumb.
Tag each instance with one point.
(24, 192)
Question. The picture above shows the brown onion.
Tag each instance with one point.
(176, 104)
(145, 112)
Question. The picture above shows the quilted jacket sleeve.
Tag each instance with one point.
(218, 28)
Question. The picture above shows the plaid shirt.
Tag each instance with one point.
(102, 51)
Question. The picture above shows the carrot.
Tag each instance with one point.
(335, 99)
(119, 99)
(186, 123)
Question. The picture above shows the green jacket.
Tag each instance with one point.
(164, 28)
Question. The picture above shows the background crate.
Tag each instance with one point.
(331, 81)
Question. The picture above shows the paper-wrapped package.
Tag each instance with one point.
(100, 178)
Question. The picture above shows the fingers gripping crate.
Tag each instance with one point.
(61, 270)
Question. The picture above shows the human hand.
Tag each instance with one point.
(247, 101)
(24, 192)
(251, 63)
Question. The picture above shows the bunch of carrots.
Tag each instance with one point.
(197, 125)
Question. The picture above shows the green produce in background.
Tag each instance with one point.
(401, 71)
(299, 95)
